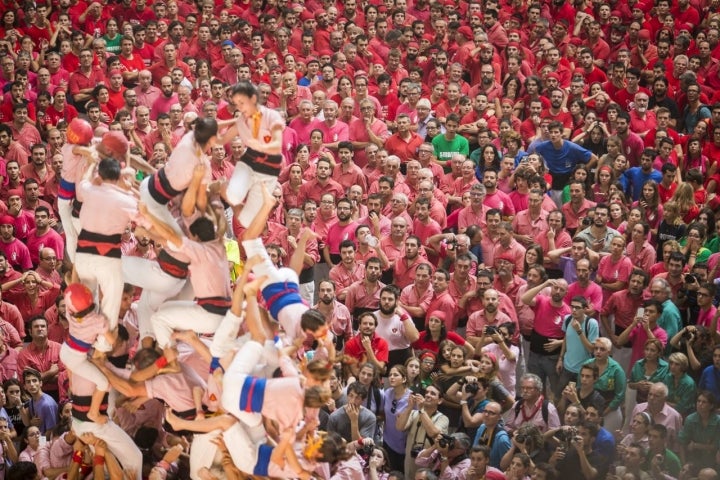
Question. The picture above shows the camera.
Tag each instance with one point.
(415, 450)
(566, 436)
(491, 330)
(445, 441)
(688, 334)
(521, 438)
(691, 278)
(586, 221)
(472, 388)
(451, 244)
(418, 390)
(366, 451)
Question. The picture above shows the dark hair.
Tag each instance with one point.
(109, 169)
(203, 228)
(22, 471)
(204, 130)
(358, 389)
(245, 88)
(312, 320)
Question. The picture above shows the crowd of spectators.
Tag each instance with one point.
(513, 206)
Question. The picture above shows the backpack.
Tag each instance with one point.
(543, 410)
(568, 319)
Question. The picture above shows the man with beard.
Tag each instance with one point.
(340, 231)
(425, 227)
(477, 332)
(165, 100)
(366, 346)
(632, 144)
(321, 185)
(635, 177)
(547, 335)
(557, 113)
(16, 253)
(598, 235)
(642, 120)
(495, 198)
(561, 157)
(289, 243)
(488, 84)
(660, 98)
(347, 271)
(337, 316)
(586, 288)
(364, 295)
(416, 297)
(396, 326)
(442, 300)
(620, 310)
(43, 236)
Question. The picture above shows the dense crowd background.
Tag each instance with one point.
(513, 203)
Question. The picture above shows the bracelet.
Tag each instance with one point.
(77, 457)
(463, 402)
(161, 362)
(164, 465)
(404, 317)
(98, 460)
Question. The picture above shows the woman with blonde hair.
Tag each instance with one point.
(681, 387)
(684, 197)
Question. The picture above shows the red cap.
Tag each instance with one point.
(428, 354)
(7, 220)
(413, 45)
(644, 34)
(306, 15)
(576, 41)
(114, 144)
(325, 53)
(15, 192)
(115, 72)
(78, 298)
(79, 132)
(553, 75)
(319, 12)
(491, 356)
(466, 32)
(507, 256)
(429, 37)
(360, 73)
(440, 315)
(616, 13)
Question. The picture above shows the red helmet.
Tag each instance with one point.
(79, 132)
(78, 297)
(115, 145)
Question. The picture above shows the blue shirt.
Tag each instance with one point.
(498, 445)
(710, 380)
(562, 160)
(635, 178)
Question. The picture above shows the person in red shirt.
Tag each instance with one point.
(366, 346)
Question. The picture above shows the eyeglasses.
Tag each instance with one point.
(576, 307)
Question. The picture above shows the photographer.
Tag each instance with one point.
(423, 422)
(471, 393)
(575, 454)
(448, 456)
(492, 434)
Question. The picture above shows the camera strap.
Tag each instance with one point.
(419, 424)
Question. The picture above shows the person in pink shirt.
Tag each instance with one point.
(406, 266)
(97, 261)
(88, 330)
(642, 329)
(44, 237)
(347, 271)
(442, 300)
(260, 129)
(584, 287)
(416, 297)
(613, 272)
(476, 212)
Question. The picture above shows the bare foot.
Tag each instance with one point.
(251, 289)
(172, 419)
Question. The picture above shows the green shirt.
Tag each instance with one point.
(611, 383)
(445, 149)
(695, 431)
(671, 465)
(682, 395)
